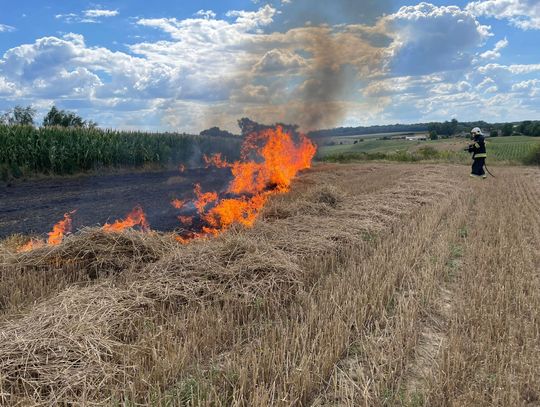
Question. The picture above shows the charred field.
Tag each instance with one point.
(32, 207)
(363, 285)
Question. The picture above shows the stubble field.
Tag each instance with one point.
(366, 285)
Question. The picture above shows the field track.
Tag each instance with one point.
(367, 285)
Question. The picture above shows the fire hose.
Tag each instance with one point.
(485, 166)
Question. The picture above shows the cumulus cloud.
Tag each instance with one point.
(496, 51)
(6, 87)
(524, 14)
(421, 63)
(430, 39)
(6, 28)
(66, 68)
(207, 14)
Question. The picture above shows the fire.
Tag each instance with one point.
(60, 229)
(56, 235)
(135, 218)
(215, 161)
(31, 245)
(203, 199)
(177, 203)
(270, 161)
(186, 220)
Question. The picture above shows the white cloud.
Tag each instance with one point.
(89, 16)
(495, 52)
(96, 13)
(524, 14)
(517, 69)
(421, 63)
(6, 87)
(249, 20)
(207, 14)
(531, 87)
(431, 39)
(6, 28)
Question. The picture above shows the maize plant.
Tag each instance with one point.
(27, 150)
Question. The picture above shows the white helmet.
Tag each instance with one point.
(477, 132)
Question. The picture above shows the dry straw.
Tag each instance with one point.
(83, 344)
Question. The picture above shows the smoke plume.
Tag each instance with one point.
(332, 45)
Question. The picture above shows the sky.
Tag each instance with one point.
(189, 65)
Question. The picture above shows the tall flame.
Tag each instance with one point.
(270, 160)
(135, 218)
(56, 235)
(60, 229)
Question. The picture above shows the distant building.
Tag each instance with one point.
(416, 138)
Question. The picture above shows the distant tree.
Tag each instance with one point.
(248, 126)
(433, 135)
(534, 129)
(453, 127)
(523, 127)
(446, 129)
(216, 132)
(494, 133)
(64, 118)
(22, 116)
(507, 129)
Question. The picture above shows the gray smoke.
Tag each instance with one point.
(335, 62)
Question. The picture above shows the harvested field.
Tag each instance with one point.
(366, 285)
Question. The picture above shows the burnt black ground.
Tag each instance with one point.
(33, 207)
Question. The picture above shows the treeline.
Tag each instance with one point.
(26, 116)
(447, 128)
(26, 150)
(529, 128)
(361, 130)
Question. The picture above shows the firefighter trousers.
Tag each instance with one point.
(478, 168)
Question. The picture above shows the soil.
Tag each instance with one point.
(33, 207)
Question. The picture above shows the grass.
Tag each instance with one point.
(513, 150)
(337, 296)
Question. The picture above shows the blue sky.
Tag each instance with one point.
(188, 65)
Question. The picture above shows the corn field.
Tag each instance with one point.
(26, 150)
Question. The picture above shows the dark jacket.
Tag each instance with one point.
(478, 149)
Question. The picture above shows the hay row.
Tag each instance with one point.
(72, 348)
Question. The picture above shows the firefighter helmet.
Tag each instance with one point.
(476, 132)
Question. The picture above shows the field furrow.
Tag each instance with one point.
(366, 285)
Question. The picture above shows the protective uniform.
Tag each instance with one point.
(478, 150)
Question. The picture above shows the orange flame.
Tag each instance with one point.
(215, 161)
(31, 245)
(56, 235)
(203, 199)
(186, 220)
(270, 160)
(135, 218)
(177, 203)
(60, 229)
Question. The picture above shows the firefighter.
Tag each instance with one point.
(478, 150)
